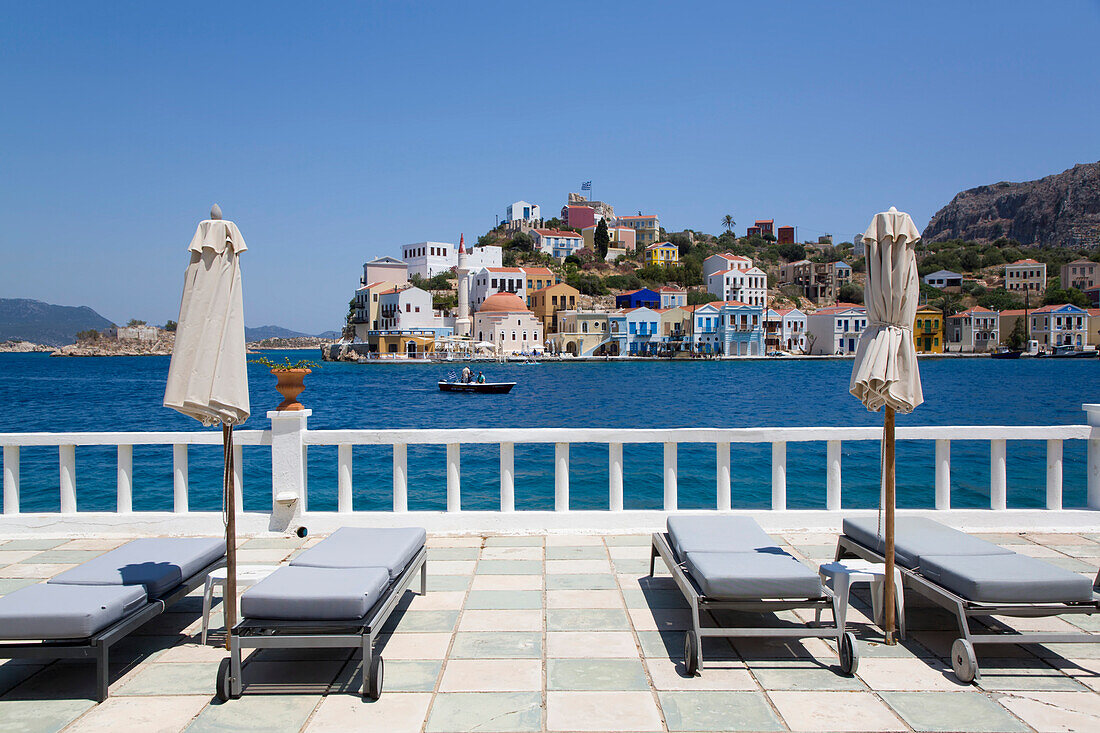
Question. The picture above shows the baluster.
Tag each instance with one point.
(561, 477)
(724, 500)
(179, 473)
(344, 473)
(943, 474)
(125, 501)
(1054, 474)
(832, 475)
(401, 477)
(238, 477)
(779, 475)
(454, 479)
(507, 477)
(305, 478)
(615, 476)
(1092, 470)
(998, 481)
(11, 479)
(67, 460)
(670, 477)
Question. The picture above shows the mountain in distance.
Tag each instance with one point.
(1062, 210)
(43, 323)
(260, 333)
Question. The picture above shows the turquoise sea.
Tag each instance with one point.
(39, 393)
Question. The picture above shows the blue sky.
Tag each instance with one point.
(336, 133)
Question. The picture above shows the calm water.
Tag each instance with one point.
(124, 394)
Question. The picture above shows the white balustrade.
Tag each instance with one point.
(943, 474)
(832, 478)
(507, 477)
(615, 476)
(67, 460)
(561, 477)
(1054, 474)
(125, 501)
(723, 461)
(179, 478)
(670, 477)
(454, 479)
(400, 477)
(11, 479)
(779, 475)
(343, 481)
(998, 475)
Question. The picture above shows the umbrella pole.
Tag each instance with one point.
(888, 467)
(229, 602)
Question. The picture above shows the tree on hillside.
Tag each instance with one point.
(697, 297)
(522, 241)
(170, 326)
(135, 322)
(999, 299)
(849, 293)
(601, 239)
(728, 223)
(792, 252)
(1073, 296)
(948, 303)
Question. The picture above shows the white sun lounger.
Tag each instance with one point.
(730, 563)
(83, 611)
(336, 594)
(971, 577)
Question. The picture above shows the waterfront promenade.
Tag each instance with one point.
(560, 633)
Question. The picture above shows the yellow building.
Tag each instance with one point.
(413, 344)
(928, 330)
(546, 302)
(662, 253)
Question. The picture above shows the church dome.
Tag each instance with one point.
(503, 303)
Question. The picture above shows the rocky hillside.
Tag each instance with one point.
(1062, 210)
(33, 320)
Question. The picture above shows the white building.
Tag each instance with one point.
(672, 297)
(505, 321)
(836, 329)
(557, 244)
(428, 259)
(976, 329)
(489, 281)
(140, 332)
(1026, 275)
(521, 211)
(790, 328)
(385, 269)
(747, 286)
(725, 261)
(404, 309)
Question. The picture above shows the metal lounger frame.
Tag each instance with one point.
(99, 644)
(699, 602)
(964, 609)
(353, 634)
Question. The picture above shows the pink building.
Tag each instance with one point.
(578, 217)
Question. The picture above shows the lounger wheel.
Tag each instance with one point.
(223, 688)
(963, 660)
(849, 653)
(374, 683)
(691, 655)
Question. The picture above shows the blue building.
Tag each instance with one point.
(728, 328)
(644, 298)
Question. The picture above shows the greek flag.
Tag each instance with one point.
(586, 186)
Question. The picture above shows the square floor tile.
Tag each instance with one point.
(590, 644)
(272, 543)
(628, 539)
(394, 712)
(660, 619)
(514, 541)
(670, 645)
(161, 714)
(834, 711)
(497, 645)
(455, 712)
(602, 711)
(504, 599)
(573, 540)
(274, 713)
(403, 645)
(493, 620)
(447, 600)
(802, 674)
(401, 675)
(583, 599)
(492, 675)
(574, 567)
(509, 567)
(1056, 711)
(174, 679)
(452, 553)
(1023, 674)
(636, 598)
(512, 553)
(589, 552)
(40, 716)
(33, 543)
(726, 711)
(951, 711)
(451, 567)
(422, 621)
(447, 582)
(723, 674)
(909, 674)
(595, 674)
(586, 619)
(581, 582)
(507, 582)
(10, 585)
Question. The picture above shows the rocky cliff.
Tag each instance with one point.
(1062, 210)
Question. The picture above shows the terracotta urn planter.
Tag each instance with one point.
(290, 385)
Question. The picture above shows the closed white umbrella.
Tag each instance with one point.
(885, 371)
(208, 375)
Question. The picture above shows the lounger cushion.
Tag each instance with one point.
(157, 563)
(45, 611)
(769, 573)
(1005, 579)
(915, 537)
(315, 594)
(362, 547)
(716, 534)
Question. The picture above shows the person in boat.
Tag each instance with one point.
(467, 375)
(481, 378)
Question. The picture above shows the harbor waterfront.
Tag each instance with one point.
(125, 394)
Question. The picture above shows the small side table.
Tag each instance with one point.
(842, 574)
(246, 575)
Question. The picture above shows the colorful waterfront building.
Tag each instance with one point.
(583, 333)
(539, 277)
(620, 237)
(647, 227)
(928, 330)
(725, 261)
(505, 321)
(489, 281)
(835, 329)
(1060, 325)
(636, 330)
(1081, 274)
(547, 301)
(785, 330)
(643, 297)
(976, 329)
(662, 253)
(747, 286)
(672, 297)
(558, 244)
(1026, 276)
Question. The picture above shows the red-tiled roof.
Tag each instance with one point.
(1027, 262)
(1013, 312)
(1050, 308)
(537, 270)
(505, 269)
(668, 289)
(832, 309)
(975, 311)
(765, 221)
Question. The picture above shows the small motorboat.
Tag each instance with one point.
(477, 388)
(1069, 352)
(1007, 354)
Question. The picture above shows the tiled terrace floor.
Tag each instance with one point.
(560, 633)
